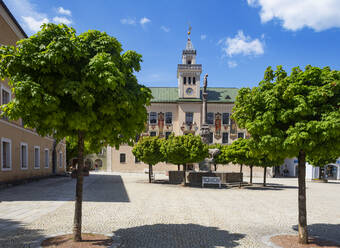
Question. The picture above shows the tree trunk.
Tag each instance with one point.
(150, 173)
(179, 167)
(303, 233)
(184, 177)
(251, 175)
(264, 176)
(215, 165)
(241, 176)
(79, 190)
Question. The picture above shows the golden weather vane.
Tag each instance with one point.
(189, 30)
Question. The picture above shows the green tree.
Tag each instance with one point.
(81, 86)
(293, 115)
(184, 149)
(237, 153)
(148, 150)
(219, 158)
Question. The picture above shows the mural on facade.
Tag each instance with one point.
(218, 126)
(233, 129)
(160, 124)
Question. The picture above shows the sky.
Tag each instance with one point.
(236, 40)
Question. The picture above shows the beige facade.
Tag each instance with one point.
(23, 153)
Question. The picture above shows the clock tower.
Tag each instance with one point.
(189, 73)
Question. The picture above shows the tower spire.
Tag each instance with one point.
(189, 32)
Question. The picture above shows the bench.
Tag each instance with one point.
(211, 180)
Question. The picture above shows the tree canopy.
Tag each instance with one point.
(286, 114)
(237, 152)
(219, 158)
(184, 149)
(148, 150)
(64, 83)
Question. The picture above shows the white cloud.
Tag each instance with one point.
(61, 19)
(242, 44)
(63, 11)
(30, 17)
(297, 14)
(203, 36)
(165, 29)
(128, 21)
(232, 64)
(34, 23)
(144, 21)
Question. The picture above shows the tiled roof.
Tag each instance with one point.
(170, 94)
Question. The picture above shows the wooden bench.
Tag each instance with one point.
(211, 180)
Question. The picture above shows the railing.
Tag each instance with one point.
(190, 66)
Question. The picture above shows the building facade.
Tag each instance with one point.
(178, 110)
(23, 153)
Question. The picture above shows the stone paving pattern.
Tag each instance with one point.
(161, 215)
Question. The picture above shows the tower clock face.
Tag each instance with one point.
(189, 91)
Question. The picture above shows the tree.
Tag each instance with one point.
(293, 115)
(80, 86)
(237, 153)
(266, 161)
(219, 158)
(184, 149)
(147, 150)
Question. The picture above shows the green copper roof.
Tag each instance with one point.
(170, 94)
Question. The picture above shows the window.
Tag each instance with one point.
(189, 118)
(167, 134)
(168, 118)
(185, 80)
(240, 135)
(225, 138)
(6, 154)
(210, 118)
(189, 62)
(5, 97)
(211, 138)
(153, 118)
(136, 160)
(23, 156)
(225, 118)
(194, 80)
(122, 157)
(60, 160)
(47, 158)
(189, 80)
(36, 157)
(153, 133)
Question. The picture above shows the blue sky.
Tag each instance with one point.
(235, 39)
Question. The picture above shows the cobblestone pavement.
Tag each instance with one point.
(161, 215)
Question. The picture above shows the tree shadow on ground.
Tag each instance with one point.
(325, 231)
(269, 186)
(14, 234)
(177, 235)
(63, 189)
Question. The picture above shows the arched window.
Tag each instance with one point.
(185, 80)
(189, 80)
(194, 80)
